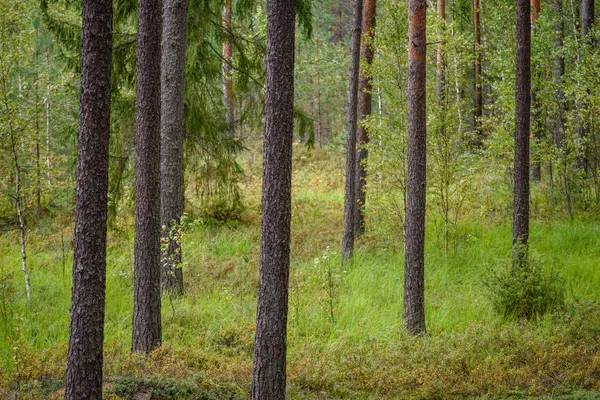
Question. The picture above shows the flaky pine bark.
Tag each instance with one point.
(86, 335)
(478, 101)
(414, 241)
(365, 96)
(523, 114)
(351, 123)
(171, 132)
(227, 69)
(146, 333)
(269, 372)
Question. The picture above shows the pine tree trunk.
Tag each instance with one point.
(587, 21)
(146, 333)
(365, 87)
(86, 336)
(172, 132)
(227, 69)
(414, 244)
(478, 103)
(352, 112)
(269, 372)
(523, 114)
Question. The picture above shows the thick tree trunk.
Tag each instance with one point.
(478, 102)
(365, 96)
(172, 131)
(523, 114)
(146, 333)
(86, 336)
(227, 69)
(269, 372)
(414, 242)
(352, 112)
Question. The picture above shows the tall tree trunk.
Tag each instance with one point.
(587, 18)
(269, 372)
(38, 169)
(147, 333)
(86, 336)
(364, 111)
(172, 131)
(414, 242)
(351, 121)
(227, 69)
(536, 172)
(523, 114)
(559, 71)
(48, 124)
(478, 102)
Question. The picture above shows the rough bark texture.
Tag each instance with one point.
(559, 71)
(146, 298)
(351, 122)
(414, 245)
(172, 130)
(365, 88)
(269, 372)
(523, 113)
(86, 335)
(227, 69)
(478, 101)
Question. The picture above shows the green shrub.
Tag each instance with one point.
(525, 290)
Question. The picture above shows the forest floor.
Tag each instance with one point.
(346, 338)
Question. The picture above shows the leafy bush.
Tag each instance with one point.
(525, 290)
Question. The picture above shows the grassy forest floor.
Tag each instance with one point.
(346, 338)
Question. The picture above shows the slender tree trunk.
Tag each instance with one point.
(523, 114)
(559, 71)
(38, 169)
(172, 131)
(227, 69)
(86, 337)
(536, 172)
(587, 21)
(414, 244)
(19, 208)
(48, 124)
(146, 299)
(478, 103)
(269, 372)
(352, 112)
(365, 97)
(587, 18)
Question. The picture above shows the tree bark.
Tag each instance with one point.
(478, 102)
(269, 372)
(227, 69)
(414, 245)
(587, 17)
(86, 335)
(364, 111)
(172, 132)
(587, 21)
(146, 333)
(352, 112)
(522, 131)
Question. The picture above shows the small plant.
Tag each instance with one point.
(525, 290)
(331, 276)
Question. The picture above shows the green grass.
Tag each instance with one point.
(469, 351)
